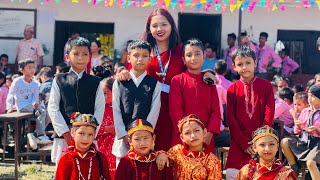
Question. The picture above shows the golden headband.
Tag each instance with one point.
(140, 127)
(191, 117)
(78, 119)
(267, 133)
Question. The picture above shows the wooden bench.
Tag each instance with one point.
(17, 119)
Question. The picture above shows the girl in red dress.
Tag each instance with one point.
(106, 132)
(265, 166)
(140, 162)
(82, 160)
(166, 62)
(192, 159)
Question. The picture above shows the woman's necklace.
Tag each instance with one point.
(80, 174)
(250, 113)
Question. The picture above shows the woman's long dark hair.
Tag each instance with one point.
(174, 38)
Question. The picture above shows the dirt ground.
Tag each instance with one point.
(27, 171)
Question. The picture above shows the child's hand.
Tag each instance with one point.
(162, 160)
(298, 123)
(110, 129)
(250, 150)
(35, 105)
(209, 75)
(293, 112)
(126, 141)
(208, 138)
(10, 110)
(67, 137)
(312, 129)
(123, 75)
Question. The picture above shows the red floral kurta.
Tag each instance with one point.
(189, 165)
(105, 141)
(68, 170)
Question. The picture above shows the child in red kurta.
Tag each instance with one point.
(82, 160)
(140, 162)
(105, 137)
(189, 94)
(250, 105)
(265, 166)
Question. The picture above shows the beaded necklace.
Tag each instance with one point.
(136, 170)
(80, 174)
(250, 113)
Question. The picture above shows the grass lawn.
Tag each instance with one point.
(27, 171)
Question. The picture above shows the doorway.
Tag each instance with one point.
(302, 47)
(103, 32)
(206, 27)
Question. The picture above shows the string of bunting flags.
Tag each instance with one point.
(206, 5)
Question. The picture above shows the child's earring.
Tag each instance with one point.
(131, 147)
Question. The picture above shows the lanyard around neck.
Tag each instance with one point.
(163, 70)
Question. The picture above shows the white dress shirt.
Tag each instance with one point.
(22, 93)
(119, 149)
(58, 122)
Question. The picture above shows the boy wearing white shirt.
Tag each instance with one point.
(74, 91)
(138, 98)
(24, 93)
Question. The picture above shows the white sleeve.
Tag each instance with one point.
(119, 126)
(155, 106)
(99, 106)
(59, 124)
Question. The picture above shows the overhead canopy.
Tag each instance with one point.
(199, 5)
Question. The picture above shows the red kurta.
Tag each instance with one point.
(105, 141)
(163, 129)
(189, 94)
(128, 169)
(240, 124)
(68, 170)
(277, 171)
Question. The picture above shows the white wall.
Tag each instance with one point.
(130, 22)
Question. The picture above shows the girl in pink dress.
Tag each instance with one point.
(106, 132)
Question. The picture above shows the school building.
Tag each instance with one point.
(298, 29)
